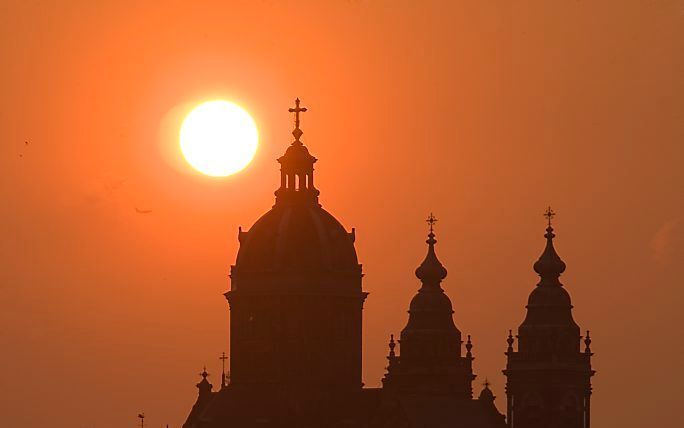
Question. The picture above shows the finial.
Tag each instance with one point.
(510, 340)
(549, 214)
(223, 359)
(141, 416)
(486, 383)
(469, 347)
(392, 344)
(431, 220)
(204, 373)
(587, 343)
(431, 270)
(549, 266)
(296, 110)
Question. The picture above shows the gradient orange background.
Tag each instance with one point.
(483, 112)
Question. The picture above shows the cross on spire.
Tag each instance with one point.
(296, 110)
(549, 214)
(431, 220)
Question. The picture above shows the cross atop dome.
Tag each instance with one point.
(431, 220)
(549, 214)
(296, 110)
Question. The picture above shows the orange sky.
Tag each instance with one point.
(483, 112)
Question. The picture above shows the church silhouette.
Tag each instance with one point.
(296, 302)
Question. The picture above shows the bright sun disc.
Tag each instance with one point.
(218, 138)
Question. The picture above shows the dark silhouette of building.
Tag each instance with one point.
(549, 377)
(296, 304)
(296, 290)
(430, 383)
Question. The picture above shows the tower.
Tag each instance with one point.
(549, 377)
(296, 299)
(431, 359)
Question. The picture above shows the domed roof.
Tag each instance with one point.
(431, 269)
(430, 299)
(486, 394)
(298, 155)
(549, 266)
(431, 308)
(297, 237)
(549, 303)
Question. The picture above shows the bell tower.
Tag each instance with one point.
(431, 360)
(549, 376)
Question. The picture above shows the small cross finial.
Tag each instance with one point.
(204, 373)
(549, 214)
(296, 110)
(223, 359)
(431, 220)
(486, 383)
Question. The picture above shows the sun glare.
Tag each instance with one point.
(218, 138)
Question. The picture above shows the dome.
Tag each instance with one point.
(297, 237)
(431, 300)
(298, 155)
(486, 394)
(431, 270)
(549, 303)
(549, 296)
(549, 266)
(431, 308)
(297, 245)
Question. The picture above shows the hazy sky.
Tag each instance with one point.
(483, 112)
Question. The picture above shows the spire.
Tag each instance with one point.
(549, 266)
(431, 272)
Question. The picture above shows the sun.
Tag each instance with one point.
(218, 138)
